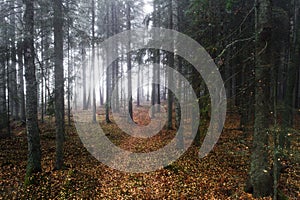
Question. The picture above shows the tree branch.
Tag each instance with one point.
(233, 43)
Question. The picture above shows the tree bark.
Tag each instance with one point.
(12, 73)
(33, 136)
(108, 80)
(288, 114)
(21, 79)
(170, 73)
(59, 82)
(3, 109)
(93, 64)
(129, 64)
(261, 179)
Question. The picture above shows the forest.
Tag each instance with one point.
(150, 99)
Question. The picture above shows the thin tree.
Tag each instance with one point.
(12, 73)
(170, 73)
(108, 80)
(93, 63)
(129, 64)
(3, 93)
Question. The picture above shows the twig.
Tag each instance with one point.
(233, 43)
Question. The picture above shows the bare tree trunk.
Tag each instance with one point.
(83, 60)
(13, 92)
(93, 64)
(3, 108)
(128, 22)
(170, 73)
(59, 83)
(108, 80)
(138, 94)
(153, 92)
(69, 67)
(33, 136)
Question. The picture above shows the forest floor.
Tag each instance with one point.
(220, 175)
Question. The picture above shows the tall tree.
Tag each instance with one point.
(171, 63)
(33, 137)
(261, 179)
(93, 63)
(59, 82)
(3, 50)
(108, 79)
(129, 64)
(12, 73)
(291, 70)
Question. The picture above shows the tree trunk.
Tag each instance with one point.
(13, 92)
(93, 64)
(108, 80)
(261, 179)
(288, 114)
(33, 136)
(3, 109)
(69, 93)
(138, 103)
(83, 60)
(21, 79)
(170, 73)
(59, 82)
(128, 22)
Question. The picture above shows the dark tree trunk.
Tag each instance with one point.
(108, 79)
(261, 179)
(93, 64)
(128, 22)
(138, 101)
(3, 109)
(288, 114)
(170, 73)
(3, 48)
(33, 137)
(69, 93)
(21, 79)
(59, 82)
(83, 60)
(13, 92)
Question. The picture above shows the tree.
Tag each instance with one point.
(93, 63)
(33, 137)
(170, 73)
(288, 114)
(129, 64)
(261, 179)
(3, 50)
(12, 84)
(21, 79)
(59, 82)
(108, 79)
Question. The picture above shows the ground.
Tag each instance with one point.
(220, 175)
